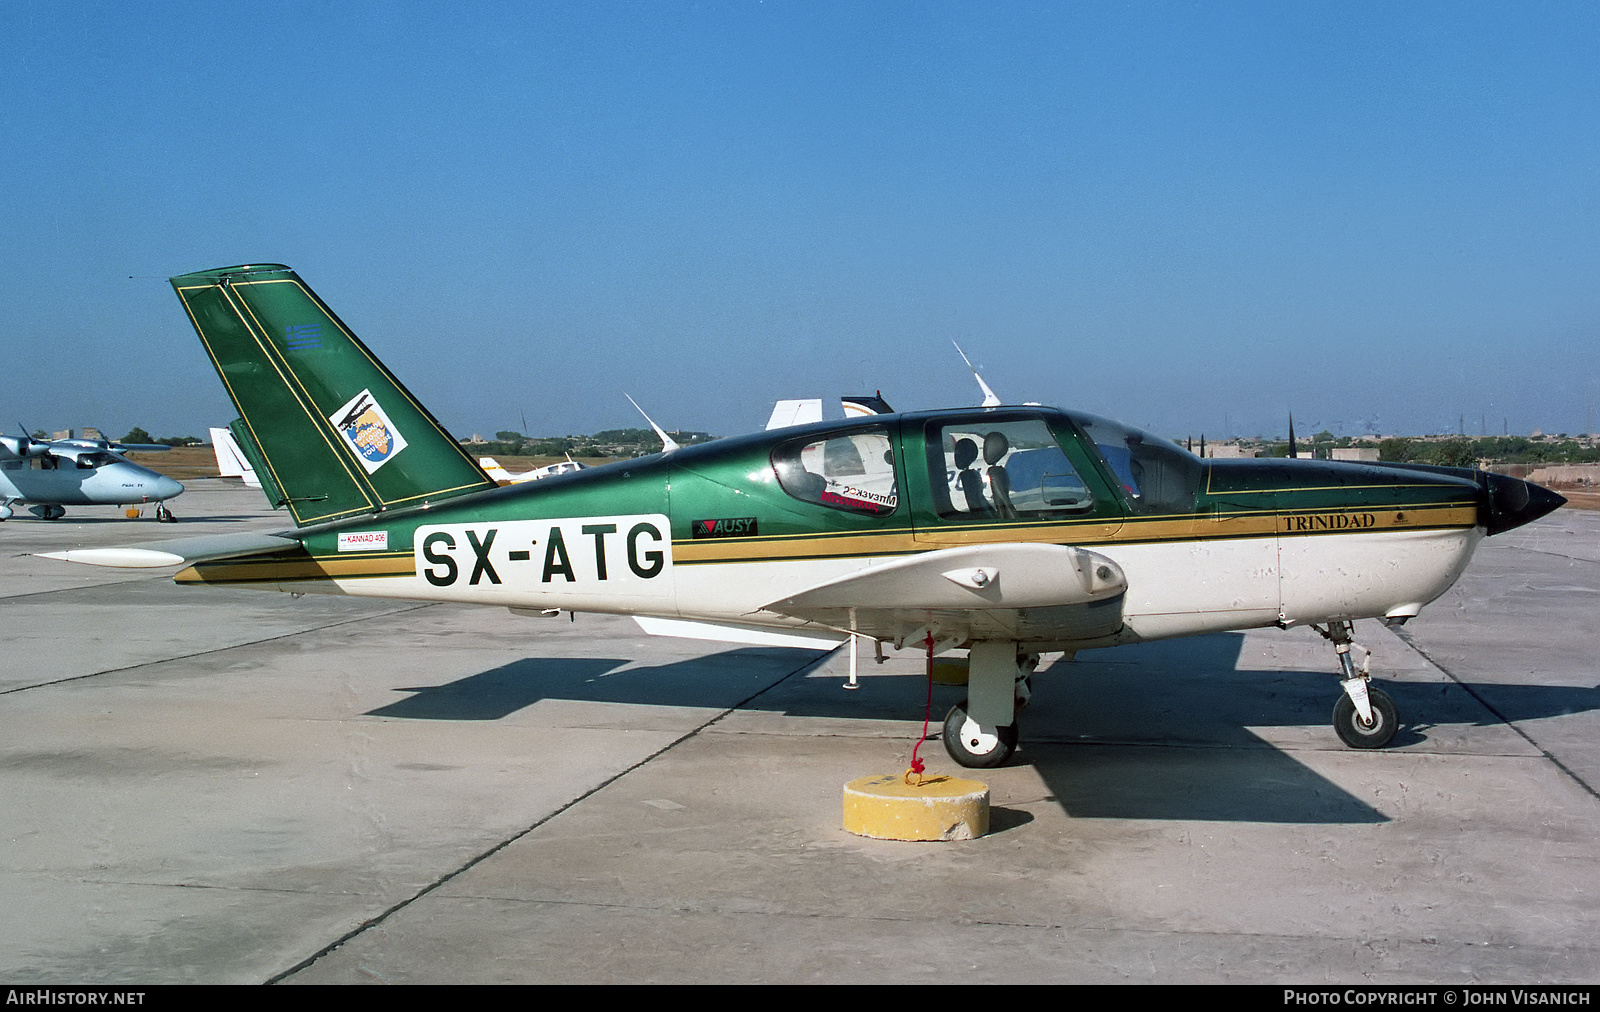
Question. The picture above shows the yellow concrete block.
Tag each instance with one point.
(132, 513)
(885, 807)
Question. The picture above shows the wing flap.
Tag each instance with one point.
(729, 632)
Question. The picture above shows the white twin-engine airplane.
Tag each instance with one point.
(52, 474)
(1004, 531)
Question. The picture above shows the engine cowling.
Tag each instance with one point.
(22, 446)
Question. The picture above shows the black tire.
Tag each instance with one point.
(962, 752)
(1385, 720)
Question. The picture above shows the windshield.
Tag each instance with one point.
(1158, 475)
(96, 458)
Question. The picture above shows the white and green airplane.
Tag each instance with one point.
(1004, 531)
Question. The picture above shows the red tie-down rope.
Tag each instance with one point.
(927, 711)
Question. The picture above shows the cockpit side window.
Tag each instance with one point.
(982, 468)
(851, 471)
(1158, 475)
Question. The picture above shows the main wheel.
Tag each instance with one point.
(1385, 720)
(974, 747)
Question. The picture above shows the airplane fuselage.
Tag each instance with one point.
(713, 533)
(1007, 531)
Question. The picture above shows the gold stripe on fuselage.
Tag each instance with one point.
(1141, 530)
(902, 541)
(273, 569)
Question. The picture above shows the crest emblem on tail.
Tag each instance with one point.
(368, 431)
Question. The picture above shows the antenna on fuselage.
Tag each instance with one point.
(989, 398)
(1292, 453)
(668, 444)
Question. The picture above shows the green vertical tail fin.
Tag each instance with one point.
(337, 433)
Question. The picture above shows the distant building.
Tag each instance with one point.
(1228, 450)
(1354, 453)
(1565, 475)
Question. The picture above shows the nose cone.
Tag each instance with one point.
(1511, 502)
(165, 488)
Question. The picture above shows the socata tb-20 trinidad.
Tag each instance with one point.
(1006, 531)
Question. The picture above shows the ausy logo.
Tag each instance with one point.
(725, 527)
(368, 431)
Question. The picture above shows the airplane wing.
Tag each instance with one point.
(1016, 591)
(177, 552)
(139, 447)
(796, 412)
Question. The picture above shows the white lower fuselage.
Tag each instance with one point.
(1175, 588)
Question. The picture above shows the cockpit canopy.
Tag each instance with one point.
(1158, 475)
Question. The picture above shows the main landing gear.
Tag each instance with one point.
(981, 731)
(1365, 716)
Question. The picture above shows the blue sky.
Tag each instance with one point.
(1190, 216)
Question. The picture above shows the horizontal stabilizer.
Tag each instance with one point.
(177, 552)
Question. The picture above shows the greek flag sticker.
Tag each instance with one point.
(371, 436)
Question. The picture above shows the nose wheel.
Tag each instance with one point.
(1359, 733)
(1364, 716)
(164, 515)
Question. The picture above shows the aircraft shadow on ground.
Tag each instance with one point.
(718, 681)
(1155, 731)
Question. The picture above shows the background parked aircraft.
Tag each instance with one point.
(52, 474)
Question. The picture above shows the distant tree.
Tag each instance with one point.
(137, 435)
(1396, 449)
(1454, 453)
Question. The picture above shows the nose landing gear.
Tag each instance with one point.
(1365, 716)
